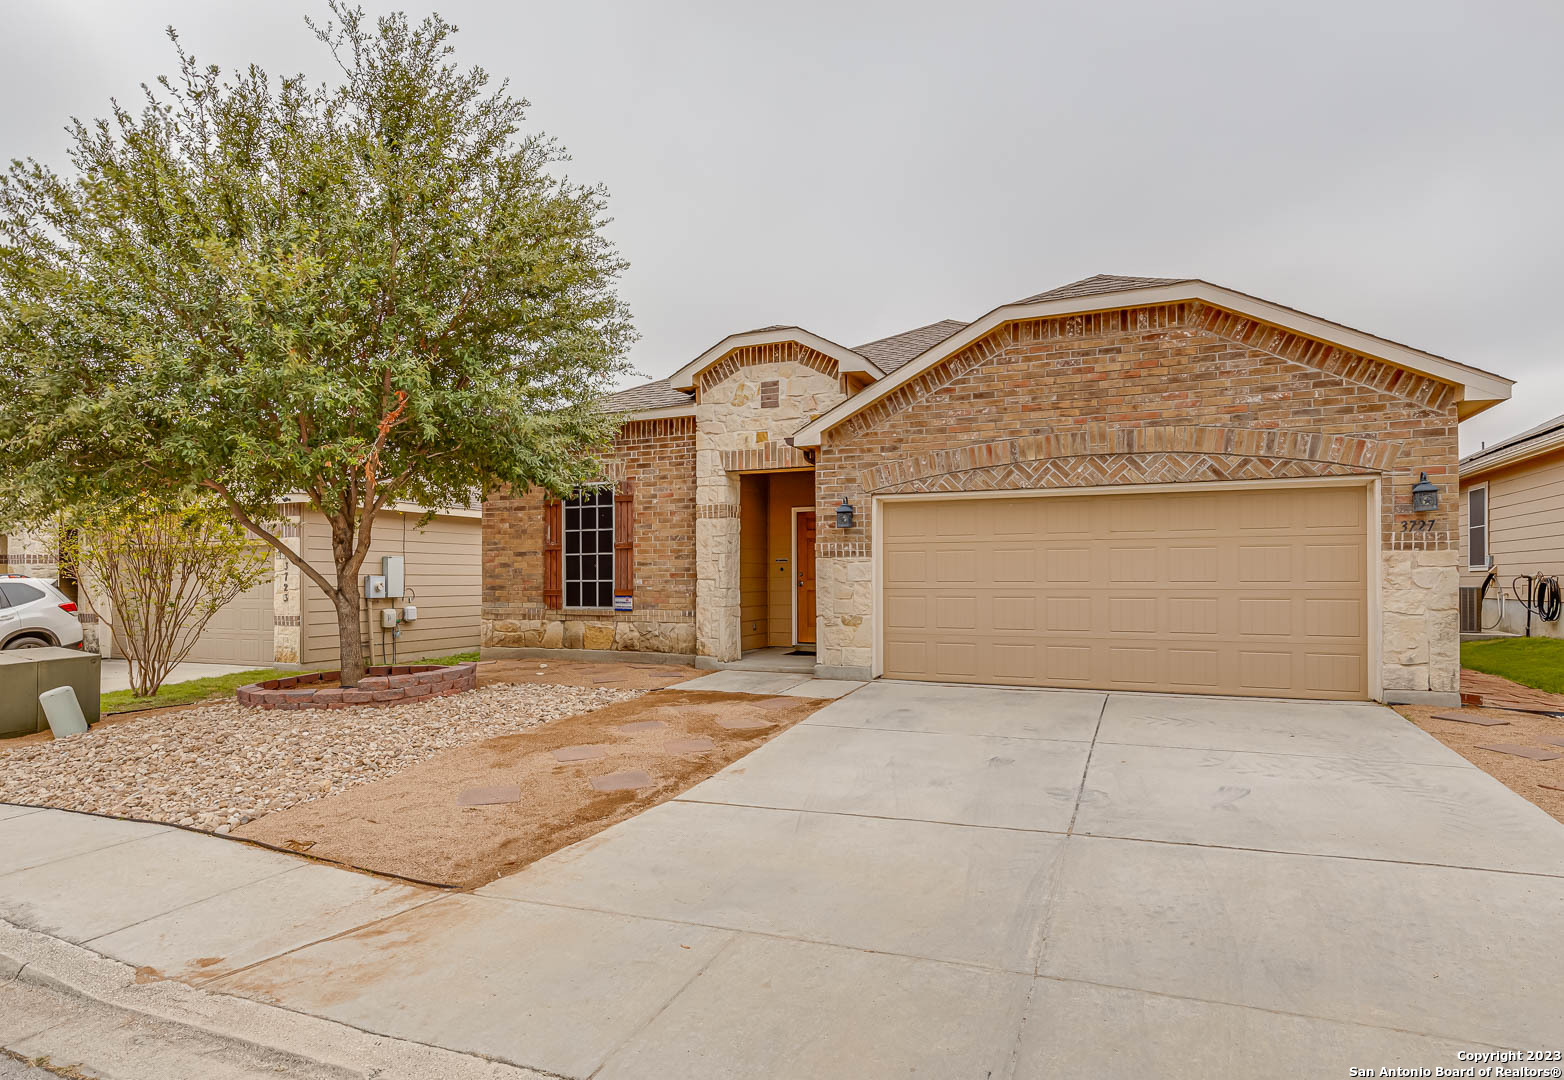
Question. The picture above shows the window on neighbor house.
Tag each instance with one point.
(589, 549)
(1477, 528)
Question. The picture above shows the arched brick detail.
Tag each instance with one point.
(1102, 454)
(1106, 470)
(766, 354)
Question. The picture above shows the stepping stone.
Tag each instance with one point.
(1552, 787)
(1521, 706)
(488, 796)
(1552, 740)
(622, 781)
(1521, 751)
(744, 723)
(1469, 718)
(578, 753)
(695, 744)
(642, 725)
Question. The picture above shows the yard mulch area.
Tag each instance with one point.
(411, 825)
(1520, 775)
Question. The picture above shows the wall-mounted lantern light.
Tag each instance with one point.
(844, 514)
(1425, 496)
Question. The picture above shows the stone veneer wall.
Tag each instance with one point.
(1082, 400)
(659, 457)
(733, 428)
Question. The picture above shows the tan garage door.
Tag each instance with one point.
(1259, 592)
(240, 632)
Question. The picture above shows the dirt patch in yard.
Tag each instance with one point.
(413, 825)
(1521, 775)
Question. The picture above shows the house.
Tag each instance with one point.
(288, 620)
(1123, 483)
(1512, 520)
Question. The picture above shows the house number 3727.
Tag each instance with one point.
(1417, 525)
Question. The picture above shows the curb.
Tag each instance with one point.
(330, 1049)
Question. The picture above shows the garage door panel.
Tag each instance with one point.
(241, 632)
(1239, 593)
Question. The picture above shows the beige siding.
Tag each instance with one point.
(1525, 531)
(443, 570)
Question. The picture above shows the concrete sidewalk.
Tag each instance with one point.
(958, 881)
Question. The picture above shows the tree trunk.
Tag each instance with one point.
(349, 642)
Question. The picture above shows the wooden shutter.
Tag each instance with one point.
(624, 539)
(553, 545)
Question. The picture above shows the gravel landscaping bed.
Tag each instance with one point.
(219, 766)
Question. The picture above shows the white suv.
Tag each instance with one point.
(34, 614)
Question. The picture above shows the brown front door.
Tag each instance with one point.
(805, 539)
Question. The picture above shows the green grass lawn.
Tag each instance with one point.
(191, 690)
(1535, 662)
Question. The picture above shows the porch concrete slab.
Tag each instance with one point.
(1319, 806)
(959, 779)
(771, 1008)
(1355, 730)
(941, 892)
(824, 688)
(266, 918)
(546, 987)
(1465, 955)
(32, 840)
(1077, 1029)
(744, 682)
(131, 882)
(9, 810)
(967, 710)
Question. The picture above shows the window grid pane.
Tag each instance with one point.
(589, 549)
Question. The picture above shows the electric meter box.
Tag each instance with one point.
(374, 586)
(391, 566)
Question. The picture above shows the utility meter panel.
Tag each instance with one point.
(391, 566)
(374, 586)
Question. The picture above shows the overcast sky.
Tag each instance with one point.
(864, 168)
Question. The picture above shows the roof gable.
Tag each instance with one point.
(1475, 389)
(846, 359)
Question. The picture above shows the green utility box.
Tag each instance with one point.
(26, 673)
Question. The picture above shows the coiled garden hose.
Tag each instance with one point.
(1540, 597)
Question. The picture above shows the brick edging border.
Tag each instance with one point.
(380, 686)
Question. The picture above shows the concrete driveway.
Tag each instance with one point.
(1003, 883)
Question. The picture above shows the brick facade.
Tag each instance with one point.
(1169, 393)
(1172, 393)
(658, 456)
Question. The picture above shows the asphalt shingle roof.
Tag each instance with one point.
(1544, 428)
(653, 395)
(1099, 283)
(890, 353)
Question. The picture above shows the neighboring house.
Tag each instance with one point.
(287, 619)
(1512, 518)
(1123, 483)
